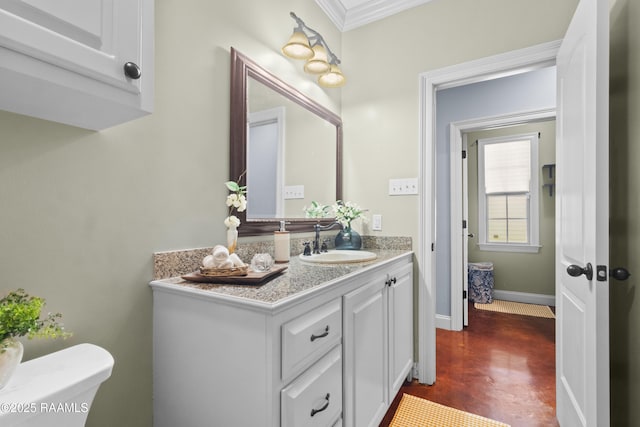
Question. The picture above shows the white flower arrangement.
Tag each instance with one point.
(237, 201)
(345, 212)
(316, 210)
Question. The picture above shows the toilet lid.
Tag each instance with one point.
(59, 376)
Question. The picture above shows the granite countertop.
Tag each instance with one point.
(298, 278)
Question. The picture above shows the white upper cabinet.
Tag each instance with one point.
(64, 61)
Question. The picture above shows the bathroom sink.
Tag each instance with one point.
(339, 257)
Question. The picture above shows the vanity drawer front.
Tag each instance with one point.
(306, 338)
(315, 398)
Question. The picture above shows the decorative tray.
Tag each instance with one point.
(251, 278)
(224, 272)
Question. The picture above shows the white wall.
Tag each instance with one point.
(528, 91)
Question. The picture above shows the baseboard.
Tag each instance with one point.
(524, 297)
(443, 322)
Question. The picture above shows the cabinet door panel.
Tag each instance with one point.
(400, 327)
(93, 38)
(366, 371)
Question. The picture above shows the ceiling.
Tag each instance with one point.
(350, 14)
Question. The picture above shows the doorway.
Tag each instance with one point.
(265, 162)
(518, 265)
(449, 77)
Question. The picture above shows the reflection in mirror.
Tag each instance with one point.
(290, 156)
(289, 146)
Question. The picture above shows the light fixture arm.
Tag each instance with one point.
(315, 38)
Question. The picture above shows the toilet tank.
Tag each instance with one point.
(55, 390)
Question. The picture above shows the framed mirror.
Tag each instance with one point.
(286, 147)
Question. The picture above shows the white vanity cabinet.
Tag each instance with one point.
(221, 360)
(378, 345)
(65, 60)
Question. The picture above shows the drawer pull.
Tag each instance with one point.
(325, 406)
(322, 335)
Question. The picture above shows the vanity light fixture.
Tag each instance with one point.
(306, 43)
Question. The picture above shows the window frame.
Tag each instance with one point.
(534, 195)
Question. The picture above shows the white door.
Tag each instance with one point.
(465, 234)
(582, 302)
(459, 227)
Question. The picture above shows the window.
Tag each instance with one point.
(508, 193)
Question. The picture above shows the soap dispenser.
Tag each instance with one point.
(282, 244)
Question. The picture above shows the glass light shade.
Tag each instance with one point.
(298, 46)
(334, 78)
(319, 64)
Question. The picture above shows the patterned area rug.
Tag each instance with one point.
(517, 308)
(416, 412)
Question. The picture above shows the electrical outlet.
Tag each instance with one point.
(376, 222)
(294, 192)
(403, 186)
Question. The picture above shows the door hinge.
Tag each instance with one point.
(464, 223)
(433, 247)
(464, 294)
(464, 154)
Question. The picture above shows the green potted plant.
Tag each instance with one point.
(20, 315)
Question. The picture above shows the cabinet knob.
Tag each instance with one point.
(132, 70)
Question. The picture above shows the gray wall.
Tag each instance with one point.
(519, 272)
(529, 91)
(625, 211)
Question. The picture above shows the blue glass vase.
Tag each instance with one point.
(348, 239)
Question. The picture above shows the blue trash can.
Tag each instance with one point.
(481, 282)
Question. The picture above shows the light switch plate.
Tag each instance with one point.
(376, 222)
(294, 192)
(403, 186)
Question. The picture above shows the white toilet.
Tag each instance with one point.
(55, 390)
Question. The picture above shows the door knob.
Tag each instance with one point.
(132, 70)
(576, 271)
(619, 273)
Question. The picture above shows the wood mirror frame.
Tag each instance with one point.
(243, 68)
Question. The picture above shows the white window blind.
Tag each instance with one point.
(507, 167)
(507, 193)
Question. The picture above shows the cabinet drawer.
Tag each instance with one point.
(306, 338)
(315, 398)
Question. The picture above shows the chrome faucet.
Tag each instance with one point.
(318, 228)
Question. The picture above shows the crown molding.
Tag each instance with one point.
(365, 13)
